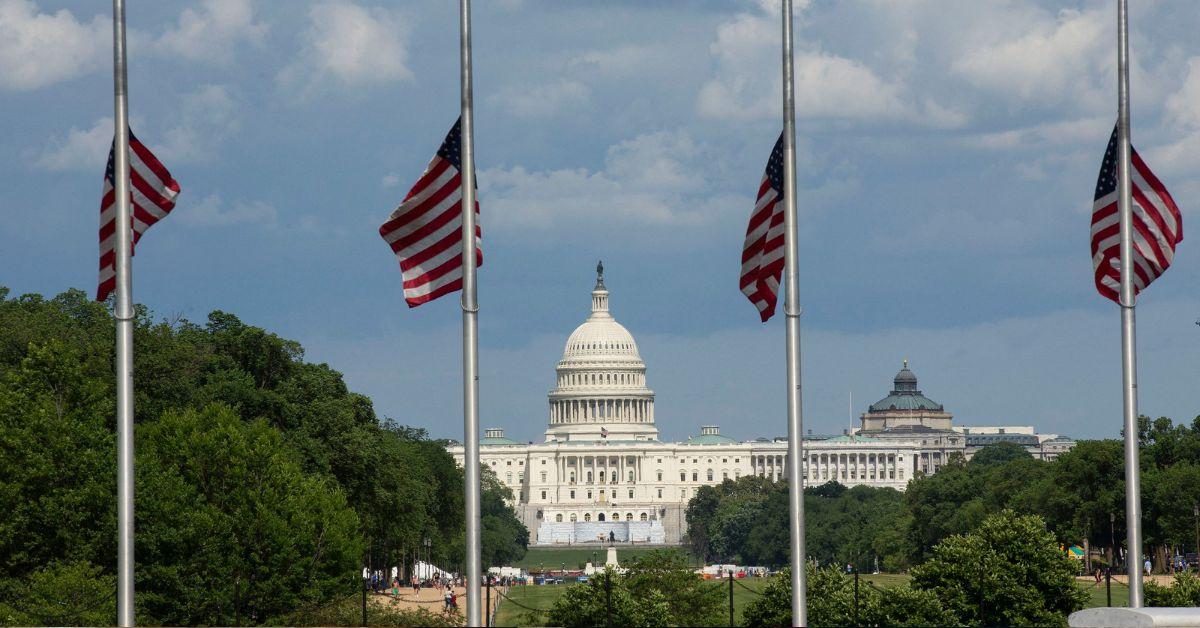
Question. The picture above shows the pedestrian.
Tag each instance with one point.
(1097, 574)
(1148, 566)
(453, 601)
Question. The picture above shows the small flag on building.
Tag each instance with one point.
(425, 231)
(603, 432)
(1157, 225)
(763, 250)
(152, 193)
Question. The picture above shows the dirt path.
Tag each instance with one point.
(428, 598)
(1123, 578)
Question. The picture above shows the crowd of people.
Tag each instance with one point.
(379, 582)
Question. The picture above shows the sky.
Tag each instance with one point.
(946, 157)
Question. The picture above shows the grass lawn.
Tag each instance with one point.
(574, 557)
(744, 591)
(533, 596)
(543, 597)
(1099, 596)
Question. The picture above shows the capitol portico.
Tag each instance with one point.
(603, 470)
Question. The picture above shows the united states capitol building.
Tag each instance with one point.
(603, 471)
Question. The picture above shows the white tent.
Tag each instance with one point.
(426, 571)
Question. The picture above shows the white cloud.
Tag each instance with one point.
(1090, 131)
(1181, 157)
(746, 85)
(352, 45)
(1068, 382)
(40, 49)
(652, 179)
(1055, 59)
(1183, 107)
(81, 149)
(205, 118)
(626, 60)
(541, 100)
(389, 180)
(211, 211)
(212, 31)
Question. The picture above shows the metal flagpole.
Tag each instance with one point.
(470, 308)
(1133, 486)
(124, 316)
(791, 308)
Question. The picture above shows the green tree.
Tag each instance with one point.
(1183, 591)
(62, 594)
(831, 602)
(1009, 571)
(999, 453)
(606, 600)
(691, 601)
(229, 527)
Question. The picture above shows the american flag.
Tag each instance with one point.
(1157, 225)
(425, 231)
(603, 432)
(762, 253)
(152, 194)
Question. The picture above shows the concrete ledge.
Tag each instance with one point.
(1135, 618)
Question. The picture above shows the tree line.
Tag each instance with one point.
(1008, 571)
(1079, 496)
(263, 483)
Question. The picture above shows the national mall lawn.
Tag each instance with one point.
(511, 613)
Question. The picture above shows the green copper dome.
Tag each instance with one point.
(905, 395)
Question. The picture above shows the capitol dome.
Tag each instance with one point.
(601, 388)
(601, 338)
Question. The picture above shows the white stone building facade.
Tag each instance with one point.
(603, 473)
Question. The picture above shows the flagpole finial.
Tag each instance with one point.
(600, 275)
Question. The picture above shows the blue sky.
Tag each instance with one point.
(947, 153)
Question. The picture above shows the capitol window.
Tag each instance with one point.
(572, 494)
(660, 475)
(587, 516)
(660, 493)
(683, 476)
(543, 494)
(695, 476)
(710, 475)
(558, 518)
(630, 493)
(543, 476)
(508, 462)
(589, 494)
(573, 517)
(508, 477)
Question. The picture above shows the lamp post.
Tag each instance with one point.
(1196, 518)
(1112, 536)
(428, 545)
(366, 575)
